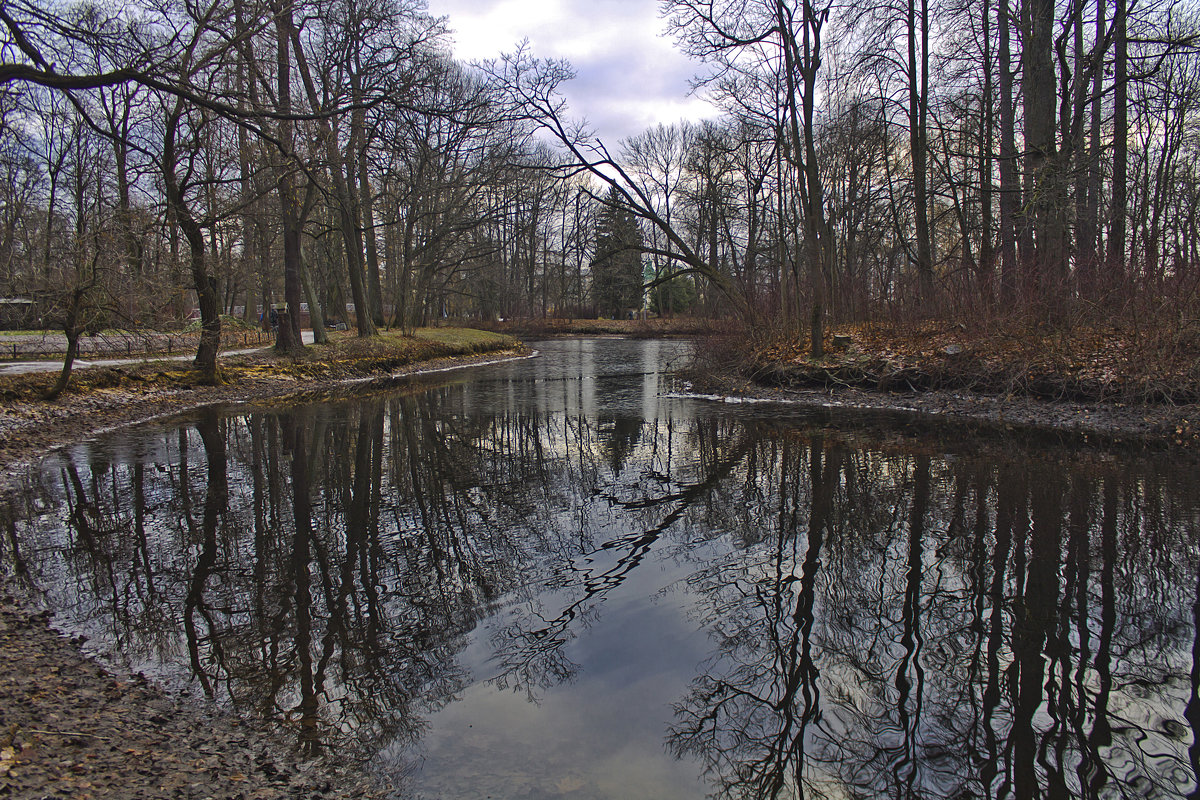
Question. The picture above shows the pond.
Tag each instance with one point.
(565, 577)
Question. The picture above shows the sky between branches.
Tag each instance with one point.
(629, 76)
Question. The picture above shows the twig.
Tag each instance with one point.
(69, 733)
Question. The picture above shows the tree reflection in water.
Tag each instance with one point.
(886, 619)
(950, 628)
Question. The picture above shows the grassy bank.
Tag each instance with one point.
(345, 357)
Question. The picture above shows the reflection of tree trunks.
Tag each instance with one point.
(979, 595)
(1101, 734)
(371, 551)
(215, 501)
(139, 527)
(824, 482)
(1076, 590)
(1010, 494)
(1035, 618)
(791, 639)
(408, 427)
(910, 637)
(294, 433)
(14, 556)
(358, 523)
(260, 500)
(1192, 712)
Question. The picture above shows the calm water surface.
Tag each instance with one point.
(558, 578)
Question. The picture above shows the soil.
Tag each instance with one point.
(71, 729)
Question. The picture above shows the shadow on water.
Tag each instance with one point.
(553, 579)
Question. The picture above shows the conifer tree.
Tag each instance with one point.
(617, 260)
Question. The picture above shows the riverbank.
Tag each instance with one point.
(103, 398)
(71, 729)
(1104, 383)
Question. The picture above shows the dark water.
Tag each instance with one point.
(553, 578)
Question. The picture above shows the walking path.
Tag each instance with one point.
(54, 365)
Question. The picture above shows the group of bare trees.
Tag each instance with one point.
(231, 154)
(926, 156)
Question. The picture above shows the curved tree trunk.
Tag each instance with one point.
(205, 284)
(72, 329)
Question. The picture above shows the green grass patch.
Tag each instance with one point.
(466, 340)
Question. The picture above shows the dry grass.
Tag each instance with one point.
(346, 356)
(1133, 359)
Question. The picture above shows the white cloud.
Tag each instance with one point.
(629, 75)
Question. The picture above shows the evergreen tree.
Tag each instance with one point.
(617, 263)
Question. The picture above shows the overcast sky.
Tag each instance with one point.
(628, 75)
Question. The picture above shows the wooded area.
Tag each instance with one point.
(330, 158)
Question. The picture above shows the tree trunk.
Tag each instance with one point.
(1010, 188)
(367, 215)
(1116, 267)
(918, 110)
(73, 330)
(986, 252)
(315, 314)
(205, 284)
(1043, 181)
(288, 341)
(344, 198)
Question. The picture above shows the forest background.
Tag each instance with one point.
(1018, 180)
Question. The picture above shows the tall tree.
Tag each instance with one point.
(617, 260)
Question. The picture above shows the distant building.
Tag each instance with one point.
(16, 313)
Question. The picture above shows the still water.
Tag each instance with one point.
(562, 578)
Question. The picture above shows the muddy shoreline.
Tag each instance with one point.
(70, 728)
(1154, 427)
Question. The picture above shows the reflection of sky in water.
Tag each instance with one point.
(567, 581)
(599, 735)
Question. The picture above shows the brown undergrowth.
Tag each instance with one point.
(1129, 375)
(1144, 361)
